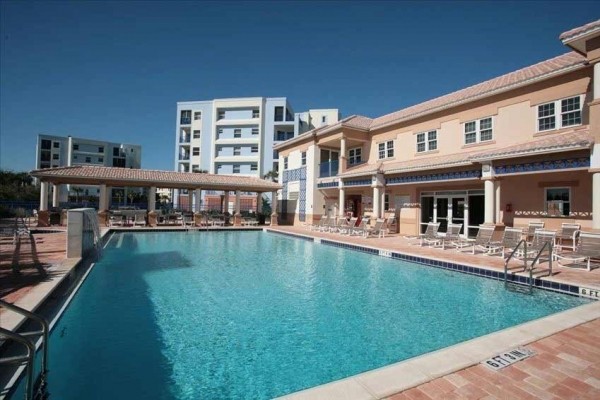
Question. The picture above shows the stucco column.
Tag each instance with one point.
(237, 217)
(274, 209)
(152, 214)
(55, 193)
(198, 200)
(596, 200)
(259, 202)
(342, 201)
(489, 201)
(596, 93)
(376, 202)
(102, 207)
(226, 201)
(382, 202)
(43, 214)
(498, 212)
(342, 166)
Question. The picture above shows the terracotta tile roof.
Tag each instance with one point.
(144, 177)
(573, 140)
(579, 30)
(507, 81)
(358, 121)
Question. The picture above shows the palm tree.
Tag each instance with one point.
(272, 175)
(77, 190)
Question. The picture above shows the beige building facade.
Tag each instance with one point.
(521, 147)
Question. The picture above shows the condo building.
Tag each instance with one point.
(65, 151)
(521, 147)
(236, 136)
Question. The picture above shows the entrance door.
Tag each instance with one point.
(458, 211)
(441, 206)
(426, 212)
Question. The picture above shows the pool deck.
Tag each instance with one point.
(567, 345)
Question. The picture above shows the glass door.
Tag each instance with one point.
(426, 212)
(441, 205)
(458, 212)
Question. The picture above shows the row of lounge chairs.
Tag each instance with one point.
(585, 246)
(351, 226)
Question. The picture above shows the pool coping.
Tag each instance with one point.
(397, 377)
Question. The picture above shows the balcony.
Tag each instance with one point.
(184, 157)
(185, 121)
(328, 169)
(184, 139)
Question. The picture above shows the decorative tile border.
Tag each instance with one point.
(472, 174)
(466, 269)
(570, 163)
(359, 182)
(328, 185)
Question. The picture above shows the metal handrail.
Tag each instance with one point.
(537, 257)
(29, 358)
(45, 332)
(521, 242)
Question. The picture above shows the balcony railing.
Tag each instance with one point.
(184, 157)
(185, 120)
(184, 139)
(327, 169)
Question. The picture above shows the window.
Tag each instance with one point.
(116, 152)
(386, 202)
(237, 151)
(195, 151)
(355, 156)
(386, 149)
(55, 156)
(88, 159)
(45, 156)
(46, 144)
(197, 115)
(221, 115)
(100, 149)
(236, 169)
(478, 131)
(56, 145)
(558, 201)
(253, 167)
(254, 149)
(255, 114)
(186, 117)
(285, 163)
(324, 119)
(237, 133)
(75, 147)
(303, 157)
(196, 134)
(101, 159)
(255, 131)
(426, 141)
(278, 113)
(570, 114)
(220, 131)
(195, 168)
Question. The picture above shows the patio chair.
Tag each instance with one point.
(452, 235)
(361, 228)
(321, 223)
(139, 219)
(346, 229)
(430, 233)
(588, 247)
(532, 227)
(188, 220)
(341, 223)
(115, 220)
(481, 241)
(510, 238)
(540, 238)
(328, 225)
(377, 229)
(568, 231)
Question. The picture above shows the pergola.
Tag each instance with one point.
(107, 177)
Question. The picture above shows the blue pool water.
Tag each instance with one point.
(223, 315)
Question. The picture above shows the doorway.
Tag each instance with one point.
(458, 207)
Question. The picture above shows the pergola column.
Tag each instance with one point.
(152, 214)
(259, 203)
(382, 203)
(226, 202)
(43, 214)
(378, 189)
(274, 209)
(198, 208)
(498, 190)
(102, 207)
(489, 195)
(55, 193)
(342, 199)
(237, 217)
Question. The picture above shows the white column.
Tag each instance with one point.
(596, 200)
(342, 201)
(108, 197)
(226, 201)
(43, 196)
(497, 188)
(102, 203)
(382, 207)
(151, 198)
(597, 81)
(198, 200)
(274, 203)
(237, 202)
(55, 193)
(342, 166)
(489, 201)
(376, 202)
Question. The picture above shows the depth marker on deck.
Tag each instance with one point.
(507, 358)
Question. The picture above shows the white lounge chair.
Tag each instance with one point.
(532, 227)
(510, 238)
(362, 227)
(139, 219)
(540, 238)
(347, 229)
(568, 232)
(377, 229)
(452, 235)
(481, 241)
(588, 247)
(430, 233)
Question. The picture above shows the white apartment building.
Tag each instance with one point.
(236, 135)
(60, 151)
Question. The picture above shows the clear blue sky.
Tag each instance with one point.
(115, 70)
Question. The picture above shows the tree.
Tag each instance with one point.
(77, 191)
(272, 175)
(17, 186)
(266, 206)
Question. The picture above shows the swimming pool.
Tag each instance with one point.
(258, 315)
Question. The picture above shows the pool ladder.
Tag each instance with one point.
(26, 339)
(531, 268)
